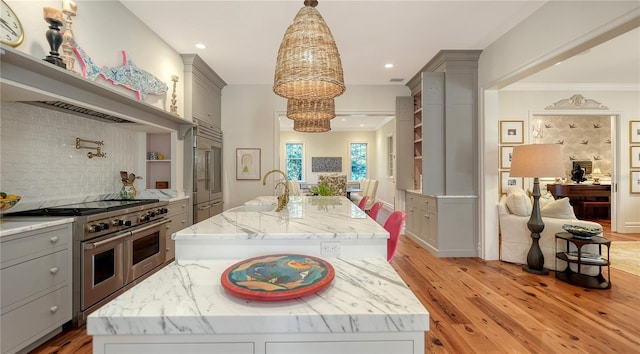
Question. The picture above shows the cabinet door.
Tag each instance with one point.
(404, 142)
(199, 100)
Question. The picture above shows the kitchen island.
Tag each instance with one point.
(184, 309)
(313, 225)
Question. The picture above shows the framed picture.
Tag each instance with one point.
(506, 152)
(634, 132)
(507, 182)
(635, 182)
(248, 163)
(511, 132)
(634, 156)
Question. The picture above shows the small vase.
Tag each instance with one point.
(128, 191)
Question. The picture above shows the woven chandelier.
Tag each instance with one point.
(311, 109)
(312, 125)
(308, 66)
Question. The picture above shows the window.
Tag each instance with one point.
(358, 154)
(294, 158)
(390, 156)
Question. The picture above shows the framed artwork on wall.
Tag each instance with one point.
(634, 132)
(635, 182)
(634, 157)
(511, 132)
(506, 152)
(507, 182)
(248, 163)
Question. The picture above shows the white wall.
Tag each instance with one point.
(249, 120)
(103, 29)
(553, 33)
(330, 144)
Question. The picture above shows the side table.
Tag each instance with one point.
(577, 278)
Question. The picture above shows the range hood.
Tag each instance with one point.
(35, 81)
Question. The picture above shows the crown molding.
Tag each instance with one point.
(571, 87)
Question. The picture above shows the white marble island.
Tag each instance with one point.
(184, 309)
(317, 226)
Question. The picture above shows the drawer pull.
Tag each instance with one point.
(53, 309)
(167, 227)
(53, 270)
(184, 221)
(53, 239)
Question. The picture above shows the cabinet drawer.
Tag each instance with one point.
(177, 223)
(30, 278)
(178, 207)
(30, 322)
(35, 243)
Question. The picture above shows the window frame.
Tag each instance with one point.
(302, 158)
(366, 162)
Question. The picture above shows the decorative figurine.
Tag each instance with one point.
(69, 8)
(173, 108)
(53, 17)
(577, 174)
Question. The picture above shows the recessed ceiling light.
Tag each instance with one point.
(388, 66)
(362, 125)
(200, 46)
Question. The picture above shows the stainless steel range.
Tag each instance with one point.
(116, 244)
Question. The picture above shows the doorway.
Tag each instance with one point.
(587, 139)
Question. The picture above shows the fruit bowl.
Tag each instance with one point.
(581, 231)
(7, 201)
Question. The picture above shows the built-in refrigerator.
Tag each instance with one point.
(206, 171)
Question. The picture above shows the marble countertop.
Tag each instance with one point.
(186, 297)
(305, 216)
(16, 225)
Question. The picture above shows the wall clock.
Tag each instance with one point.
(11, 32)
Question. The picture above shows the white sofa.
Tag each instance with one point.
(516, 238)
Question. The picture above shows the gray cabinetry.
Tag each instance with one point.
(203, 90)
(447, 90)
(443, 225)
(404, 143)
(179, 216)
(35, 274)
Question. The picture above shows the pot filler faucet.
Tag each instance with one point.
(284, 198)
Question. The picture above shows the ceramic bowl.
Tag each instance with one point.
(9, 202)
(581, 231)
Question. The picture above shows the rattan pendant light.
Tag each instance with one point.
(312, 125)
(308, 64)
(311, 109)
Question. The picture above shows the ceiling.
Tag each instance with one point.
(242, 40)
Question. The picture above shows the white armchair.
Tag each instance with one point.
(516, 237)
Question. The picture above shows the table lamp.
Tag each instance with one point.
(536, 160)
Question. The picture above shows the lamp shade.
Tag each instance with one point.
(308, 65)
(537, 160)
(312, 125)
(311, 109)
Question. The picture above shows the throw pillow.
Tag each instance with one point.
(558, 209)
(519, 203)
(545, 199)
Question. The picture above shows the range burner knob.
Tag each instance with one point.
(127, 223)
(104, 226)
(144, 217)
(151, 213)
(118, 222)
(164, 210)
(94, 228)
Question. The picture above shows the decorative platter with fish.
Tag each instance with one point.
(277, 277)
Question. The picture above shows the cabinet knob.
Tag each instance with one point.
(53, 239)
(53, 270)
(167, 227)
(427, 216)
(184, 221)
(53, 309)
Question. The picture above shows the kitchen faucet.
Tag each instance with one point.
(284, 198)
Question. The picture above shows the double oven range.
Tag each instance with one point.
(116, 244)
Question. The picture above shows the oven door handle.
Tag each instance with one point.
(92, 245)
(147, 227)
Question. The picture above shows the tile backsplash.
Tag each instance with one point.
(39, 160)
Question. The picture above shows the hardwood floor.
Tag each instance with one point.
(483, 307)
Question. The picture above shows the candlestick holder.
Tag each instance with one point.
(173, 108)
(54, 37)
(68, 57)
